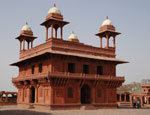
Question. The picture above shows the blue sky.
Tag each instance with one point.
(130, 17)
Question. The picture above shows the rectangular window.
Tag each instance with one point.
(71, 67)
(99, 70)
(98, 92)
(32, 68)
(85, 68)
(70, 92)
(40, 68)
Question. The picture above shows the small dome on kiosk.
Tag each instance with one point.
(107, 22)
(54, 10)
(73, 37)
(26, 28)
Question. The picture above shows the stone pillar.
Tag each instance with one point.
(61, 32)
(79, 95)
(55, 32)
(6, 98)
(120, 97)
(36, 95)
(101, 42)
(46, 33)
(23, 95)
(93, 95)
(52, 95)
(28, 95)
(125, 97)
(114, 42)
(20, 45)
(141, 101)
(147, 100)
(52, 31)
(28, 44)
(31, 44)
(130, 99)
(107, 38)
(23, 44)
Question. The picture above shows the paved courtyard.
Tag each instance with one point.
(13, 110)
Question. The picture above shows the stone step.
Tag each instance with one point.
(87, 107)
(31, 106)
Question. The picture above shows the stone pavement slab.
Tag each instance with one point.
(14, 110)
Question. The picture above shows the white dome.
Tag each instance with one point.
(72, 36)
(107, 22)
(26, 28)
(54, 10)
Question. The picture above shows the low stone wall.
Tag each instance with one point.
(7, 103)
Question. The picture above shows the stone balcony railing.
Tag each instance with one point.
(69, 76)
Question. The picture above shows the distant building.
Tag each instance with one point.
(8, 98)
(67, 74)
(126, 98)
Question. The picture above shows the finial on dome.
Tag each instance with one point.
(107, 22)
(26, 23)
(54, 5)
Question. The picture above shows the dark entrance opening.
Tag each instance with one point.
(127, 98)
(122, 97)
(32, 94)
(85, 94)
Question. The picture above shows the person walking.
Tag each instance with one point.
(134, 103)
(138, 103)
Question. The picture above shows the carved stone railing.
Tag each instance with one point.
(35, 51)
(62, 45)
(68, 75)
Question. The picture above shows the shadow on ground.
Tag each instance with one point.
(22, 112)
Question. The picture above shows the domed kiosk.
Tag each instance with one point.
(54, 20)
(26, 35)
(107, 30)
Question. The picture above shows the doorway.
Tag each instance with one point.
(85, 94)
(32, 94)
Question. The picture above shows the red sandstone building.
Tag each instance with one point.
(67, 74)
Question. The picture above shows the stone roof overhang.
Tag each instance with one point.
(107, 32)
(117, 61)
(26, 36)
(51, 20)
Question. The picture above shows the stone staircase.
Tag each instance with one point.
(87, 107)
(31, 106)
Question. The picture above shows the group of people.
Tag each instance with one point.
(137, 103)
